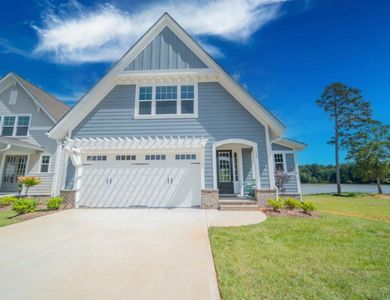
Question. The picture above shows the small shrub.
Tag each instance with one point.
(275, 204)
(24, 205)
(351, 194)
(54, 203)
(8, 200)
(307, 207)
(292, 203)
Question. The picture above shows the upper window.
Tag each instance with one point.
(96, 157)
(14, 125)
(166, 101)
(279, 162)
(45, 163)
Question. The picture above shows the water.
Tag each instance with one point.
(308, 188)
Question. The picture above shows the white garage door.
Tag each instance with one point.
(153, 183)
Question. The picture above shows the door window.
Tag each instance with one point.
(224, 166)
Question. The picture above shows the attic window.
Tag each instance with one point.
(12, 97)
(166, 101)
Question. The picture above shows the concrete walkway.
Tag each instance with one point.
(114, 254)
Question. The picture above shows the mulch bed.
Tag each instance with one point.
(290, 213)
(41, 211)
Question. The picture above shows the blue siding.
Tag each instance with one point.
(165, 52)
(220, 117)
(277, 147)
(247, 165)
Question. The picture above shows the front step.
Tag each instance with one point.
(238, 207)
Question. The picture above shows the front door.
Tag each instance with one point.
(225, 172)
(15, 165)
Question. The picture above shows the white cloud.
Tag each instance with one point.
(78, 34)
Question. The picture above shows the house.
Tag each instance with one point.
(26, 115)
(168, 127)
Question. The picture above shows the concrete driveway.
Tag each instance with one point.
(113, 254)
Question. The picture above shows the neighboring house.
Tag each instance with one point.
(26, 115)
(168, 127)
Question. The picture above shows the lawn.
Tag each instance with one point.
(345, 253)
(6, 217)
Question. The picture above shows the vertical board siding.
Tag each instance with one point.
(247, 165)
(220, 117)
(165, 52)
(25, 105)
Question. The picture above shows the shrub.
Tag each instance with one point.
(292, 203)
(54, 203)
(24, 205)
(28, 181)
(275, 204)
(307, 207)
(7, 200)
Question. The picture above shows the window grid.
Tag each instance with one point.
(224, 167)
(155, 157)
(45, 163)
(14, 125)
(185, 157)
(279, 162)
(96, 157)
(125, 157)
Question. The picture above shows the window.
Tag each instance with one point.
(145, 100)
(166, 100)
(14, 125)
(279, 162)
(125, 157)
(155, 157)
(96, 157)
(45, 163)
(187, 99)
(185, 156)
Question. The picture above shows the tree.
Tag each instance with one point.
(369, 147)
(28, 182)
(348, 110)
(281, 178)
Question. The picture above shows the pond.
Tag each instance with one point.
(308, 188)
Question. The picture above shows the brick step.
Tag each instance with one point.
(237, 202)
(238, 207)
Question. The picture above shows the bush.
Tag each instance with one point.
(307, 207)
(54, 203)
(275, 204)
(7, 200)
(24, 205)
(292, 203)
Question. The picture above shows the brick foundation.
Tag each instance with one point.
(69, 199)
(210, 199)
(262, 196)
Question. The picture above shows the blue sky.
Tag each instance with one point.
(283, 52)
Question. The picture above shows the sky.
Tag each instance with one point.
(284, 52)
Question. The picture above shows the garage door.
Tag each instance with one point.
(172, 182)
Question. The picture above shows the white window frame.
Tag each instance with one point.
(283, 153)
(40, 163)
(153, 114)
(15, 124)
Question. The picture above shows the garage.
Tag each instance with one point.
(166, 174)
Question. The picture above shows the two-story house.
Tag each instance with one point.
(26, 115)
(168, 127)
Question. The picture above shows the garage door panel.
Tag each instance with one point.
(158, 184)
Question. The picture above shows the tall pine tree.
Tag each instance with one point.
(348, 111)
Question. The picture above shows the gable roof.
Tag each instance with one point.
(52, 106)
(19, 143)
(296, 145)
(107, 82)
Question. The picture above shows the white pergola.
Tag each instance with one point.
(135, 143)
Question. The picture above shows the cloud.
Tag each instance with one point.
(76, 34)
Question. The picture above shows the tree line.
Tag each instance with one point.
(349, 173)
(366, 140)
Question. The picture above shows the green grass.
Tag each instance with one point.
(6, 217)
(329, 257)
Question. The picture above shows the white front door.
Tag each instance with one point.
(168, 183)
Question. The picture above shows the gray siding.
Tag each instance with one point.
(25, 105)
(220, 117)
(277, 147)
(247, 165)
(165, 52)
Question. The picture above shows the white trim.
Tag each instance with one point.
(254, 157)
(298, 175)
(294, 145)
(57, 164)
(36, 128)
(13, 96)
(271, 166)
(106, 83)
(154, 101)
